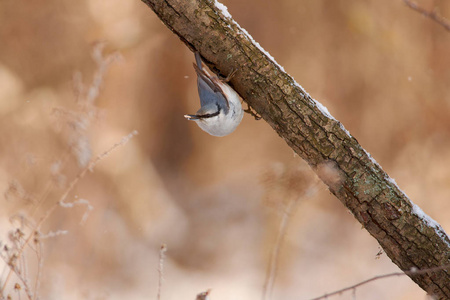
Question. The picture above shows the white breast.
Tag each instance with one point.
(224, 124)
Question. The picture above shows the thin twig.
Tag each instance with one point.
(162, 252)
(273, 266)
(412, 272)
(39, 266)
(47, 189)
(433, 15)
(61, 202)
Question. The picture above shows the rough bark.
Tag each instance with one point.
(410, 239)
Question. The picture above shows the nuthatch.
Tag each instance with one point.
(221, 110)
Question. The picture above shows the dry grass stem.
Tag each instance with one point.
(290, 184)
(28, 236)
(274, 258)
(353, 288)
(162, 256)
(21, 244)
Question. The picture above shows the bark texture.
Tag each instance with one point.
(409, 239)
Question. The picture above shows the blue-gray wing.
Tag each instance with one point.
(209, 89)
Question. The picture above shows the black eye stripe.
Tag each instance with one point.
(206, 116)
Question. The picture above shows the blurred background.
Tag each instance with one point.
(380, 68)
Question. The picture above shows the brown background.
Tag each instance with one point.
(380, 68)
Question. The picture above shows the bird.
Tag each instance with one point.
(221, 110)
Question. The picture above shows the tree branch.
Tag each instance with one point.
(433, 15)
(413, 272)
(410, 238)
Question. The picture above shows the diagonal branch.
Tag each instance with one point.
(355, 286)
(409, 237)
(433, 15)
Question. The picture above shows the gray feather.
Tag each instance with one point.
(209, 91)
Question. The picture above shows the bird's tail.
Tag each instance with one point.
(198, 60)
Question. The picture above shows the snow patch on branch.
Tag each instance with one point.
(223, 9)
(416, 210)
(226, 14)
(386, 177)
